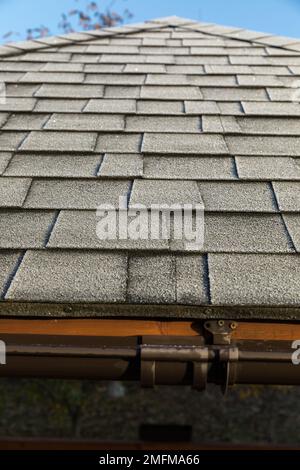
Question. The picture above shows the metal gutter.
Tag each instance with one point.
(214, 356)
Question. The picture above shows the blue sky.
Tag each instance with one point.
(274, 16)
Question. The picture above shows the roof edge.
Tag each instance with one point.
(255, 37)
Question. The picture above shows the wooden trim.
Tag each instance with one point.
(122, 328)
(94, 445)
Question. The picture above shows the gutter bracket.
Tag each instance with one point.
(228, 354)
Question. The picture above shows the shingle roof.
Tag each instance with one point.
(167, 111)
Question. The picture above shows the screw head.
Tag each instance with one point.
(233, 325)
(221, 322)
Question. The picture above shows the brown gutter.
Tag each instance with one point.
(216, 353)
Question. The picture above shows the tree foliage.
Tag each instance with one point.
(90, 16)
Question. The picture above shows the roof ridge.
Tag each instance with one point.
(211, 29)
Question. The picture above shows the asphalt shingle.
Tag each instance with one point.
(260, 168)
(184, 144)
(246, 145)
(149, 192)
(78, 229)
(110, 106)
(119, 143)
(168, 123)
(70, 91)
(253, 279)
(4, 161)
(171, 92)
(13, 191)
(188, 168)
(75, 194)
(191, 281)
(288, 195)
(59, 141)
(85, 122)
(237, 196)
(24, 229)
(292, 222)
(64, 166)
(245, 233)
(8, 262)
(122, 165)
(76, 277)
(152, 279)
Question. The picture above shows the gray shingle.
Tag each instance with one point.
(201, 60)
(70, 91)
(24, 122)
(115, 79)
(8, 262)
(72, 223)
(4, 160)
(191, 280)
(292, 222)
(228, 69)
(272, 108)
(168, 124)
(8, 77)
(190, 144)
(152, 279)
(86, 122)
(111, 106)
(61, 67)
(122, 92)
(65, 166)
(24, 229)
(258, 80)
(103, 68)
(18, 104)
(171, 92)
(60, 141)
(245, 233)
(45, 105)
(148, 192)
(201, 107)
(46, 57)
(234, 94)
(10, 141)
(251, 279)
(152, 50)
(145, 68)
(119, 143)
(52, 77)
(120, 165)
(212, 80)
(288, 195)
(188, 168)
(237, 196)
(234, 109)
(77, 277)
(3, 118)
(160, 107)
(122, 59)
(20, 66)
(265, 145)
(188, 69)
(75, 194)
(13, 191)
(271, 125)
(261, 168)
(110, 49)
(283, 94)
